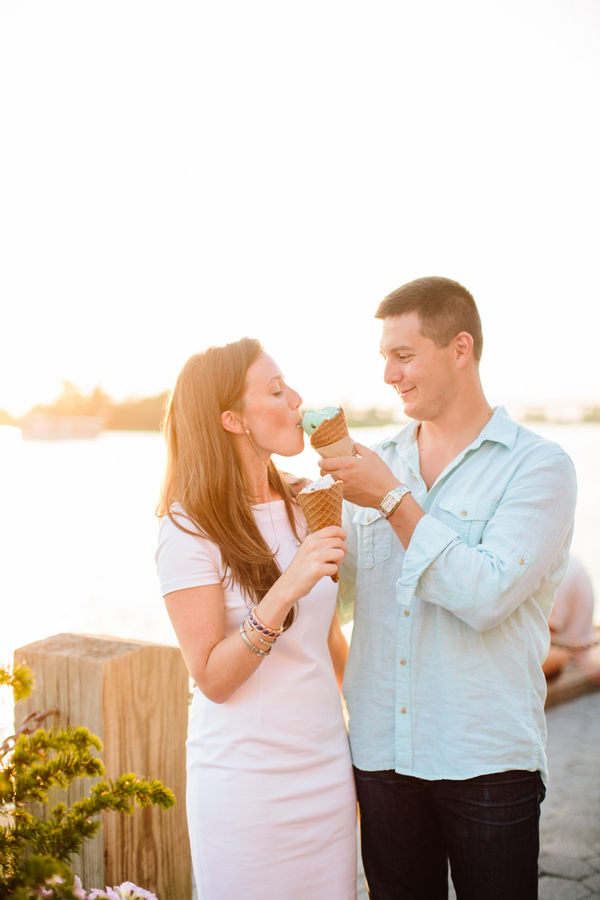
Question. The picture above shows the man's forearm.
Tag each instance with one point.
(405, 518)
(367, 479)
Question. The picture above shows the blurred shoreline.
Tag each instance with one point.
(145, 414)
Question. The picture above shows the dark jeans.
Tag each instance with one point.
(488, 827)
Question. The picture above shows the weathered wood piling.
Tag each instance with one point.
(134, 696)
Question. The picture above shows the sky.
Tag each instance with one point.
(176, 175)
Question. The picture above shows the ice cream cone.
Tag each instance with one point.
(322, 508)
(331, 438)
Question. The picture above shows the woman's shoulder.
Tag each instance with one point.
(177, 528)
(177, 518)
(184, 557)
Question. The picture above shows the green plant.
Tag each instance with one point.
(35, 852)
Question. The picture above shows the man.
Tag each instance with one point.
(458, 536)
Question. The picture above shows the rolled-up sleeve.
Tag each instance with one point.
(485, 583)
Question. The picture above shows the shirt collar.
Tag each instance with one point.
(500, 429)
(407, 436)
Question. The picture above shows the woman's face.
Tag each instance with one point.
(272, 410)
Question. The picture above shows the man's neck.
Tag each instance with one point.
(443, 438)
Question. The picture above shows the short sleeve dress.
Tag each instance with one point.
(270, 795)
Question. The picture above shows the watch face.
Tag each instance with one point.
(389, 503)
(391, 500)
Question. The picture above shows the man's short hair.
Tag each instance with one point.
(445, 308)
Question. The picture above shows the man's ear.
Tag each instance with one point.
(232, 422)
(463, 344)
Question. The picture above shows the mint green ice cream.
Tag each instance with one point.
(313, 419)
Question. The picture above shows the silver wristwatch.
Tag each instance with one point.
(392, 500)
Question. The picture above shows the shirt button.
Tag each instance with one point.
(464, 512)
(368, 518)
(406, 612)
(402, 662)
(402, 710)
(521, 562)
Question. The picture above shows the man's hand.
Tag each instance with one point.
(367, 479)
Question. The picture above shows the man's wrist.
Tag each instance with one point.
(392, 500)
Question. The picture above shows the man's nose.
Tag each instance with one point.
(391, 373)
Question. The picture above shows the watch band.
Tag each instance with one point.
(392, 500)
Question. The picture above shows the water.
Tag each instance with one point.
(78, 532)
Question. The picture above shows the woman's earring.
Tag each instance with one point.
(247, 432)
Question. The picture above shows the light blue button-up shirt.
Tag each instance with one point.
(444, 677)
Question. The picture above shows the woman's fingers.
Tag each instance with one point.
(328, 551)
(333, 554)
(320, 544)
(320, 554)
(330, 531)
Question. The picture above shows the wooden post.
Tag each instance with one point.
(134, 696)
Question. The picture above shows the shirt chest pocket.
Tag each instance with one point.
(374, 538)
(466, 516)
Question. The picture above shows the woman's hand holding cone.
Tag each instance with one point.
(322, 507)
(319, 554)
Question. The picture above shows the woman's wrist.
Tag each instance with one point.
(275, 606)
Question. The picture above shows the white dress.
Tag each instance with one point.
(270, 795)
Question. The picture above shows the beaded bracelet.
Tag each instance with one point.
(250, 645)
(258, 633)
(254, 622)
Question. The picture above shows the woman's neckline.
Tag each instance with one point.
(265, 505)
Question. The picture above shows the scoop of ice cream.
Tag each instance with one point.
(319, 485)
(312, 419)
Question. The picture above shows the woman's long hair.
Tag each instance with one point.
(203, 474)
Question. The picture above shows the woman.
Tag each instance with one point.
(571, 623)
(270, 796)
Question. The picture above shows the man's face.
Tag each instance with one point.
(423, 375)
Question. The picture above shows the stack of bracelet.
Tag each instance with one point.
(262, 630)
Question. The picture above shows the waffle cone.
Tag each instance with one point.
(330, 431)
(322, 508)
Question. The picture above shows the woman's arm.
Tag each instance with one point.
(220, 665)
(338, 647)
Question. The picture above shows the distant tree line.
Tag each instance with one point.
(588, 414)
(369, 418)
(146, 414)
(130, 415)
